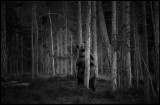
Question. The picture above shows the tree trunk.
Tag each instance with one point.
(32, 39)
(58, 53)
(65, 47)
(87, 54)
(155, 20)
(36, 41)
(71, 57)
(22, 53)
(79, 23)
(104, 32)
(3, 40)
(52, 49)
(95, 36)
(61, 50)
(128, 30)
(114, 52)
(145, 52)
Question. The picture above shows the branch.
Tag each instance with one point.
(149, 77)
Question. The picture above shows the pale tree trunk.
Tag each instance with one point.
(52, 48)
(104, 32)
(101, 55)
(95, 36)
(146, 74)
(87, 54)
(114, 52)
(61, 51)
(3, 39)
(128, 61)
(58, 53)
(79, 23)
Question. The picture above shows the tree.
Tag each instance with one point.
(128, 61)
(52, 48)
(79, 23)
(114, 52)
(87, 54)
(145, 52)
(103, 29)
(95, 36)
(3, 40)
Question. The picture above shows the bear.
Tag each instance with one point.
(80, 66)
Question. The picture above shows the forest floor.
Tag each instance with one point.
(64, 90)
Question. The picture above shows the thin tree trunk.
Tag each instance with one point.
(58, 53)
(79, 23)
(36, 23)
(52, 58)
(3, 40)
(87, 54)
(61, 51)
(22, 53)
(114, 59)
(71, 57)
(32, 34)
(65, 47)
(95, 36)
(146, 85)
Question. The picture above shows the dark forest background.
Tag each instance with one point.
(39, 38)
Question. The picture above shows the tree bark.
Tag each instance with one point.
(87, 54)
(66, 34)
(145, 52)
(3, 39)
(22, 53)
(95, 36)
(32, 39)
(128, 30)
(114, 51)
(104, 32)
(79, 23)
(52, 49)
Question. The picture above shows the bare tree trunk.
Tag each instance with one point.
(61, 50)
(32, 39)
(87, 55)
(128, 61)
(36, 43)
(22, 53)
(71, 57)
(65, 47)
(104, 32)
(146, 74)
(114, 59)
(95, 36)
(79, 23)
(52, 58)
(58, 53)
(155, 20)
(3, 40)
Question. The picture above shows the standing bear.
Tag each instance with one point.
(80, 66)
